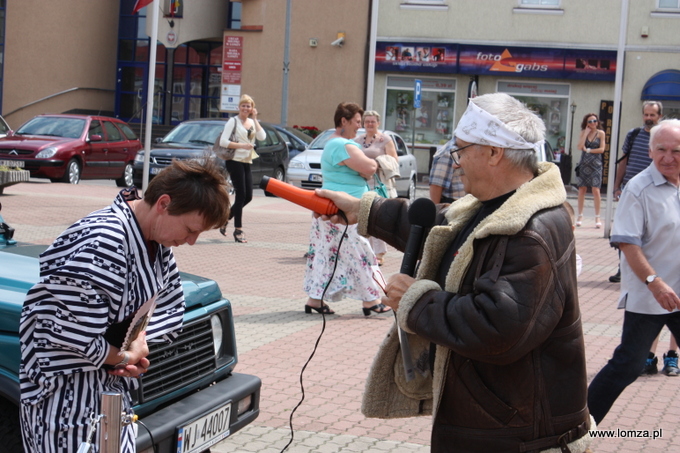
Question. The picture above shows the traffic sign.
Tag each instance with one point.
(417, 90)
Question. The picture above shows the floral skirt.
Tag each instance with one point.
(356, 264)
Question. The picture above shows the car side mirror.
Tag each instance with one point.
(95, 138)
(159, 139)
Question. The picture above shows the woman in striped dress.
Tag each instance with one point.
(93, 279)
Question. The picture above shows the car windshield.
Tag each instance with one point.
(301, 135)
(53, 127)
(197, 133)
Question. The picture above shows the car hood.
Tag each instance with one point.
(35, 142)
(188, 146)
(310, 156)
(20, 270)
(180, 153)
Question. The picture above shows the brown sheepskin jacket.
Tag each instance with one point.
(509, 370)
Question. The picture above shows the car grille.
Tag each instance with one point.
(163, 160)
(310, 184)
(20, 152)
(187, 359)
(315, 166)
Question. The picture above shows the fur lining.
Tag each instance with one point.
(365, 211)
(410, 297)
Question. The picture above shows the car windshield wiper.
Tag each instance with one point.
(200, 141)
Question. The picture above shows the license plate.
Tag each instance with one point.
(316, 178)
(204, 432)
(155, 170)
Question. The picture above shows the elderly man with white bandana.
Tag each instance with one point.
(492, 316)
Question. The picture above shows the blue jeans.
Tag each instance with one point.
(639, 332)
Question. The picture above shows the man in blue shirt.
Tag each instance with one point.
(446, 184)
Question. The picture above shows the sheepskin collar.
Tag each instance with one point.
(544, 191)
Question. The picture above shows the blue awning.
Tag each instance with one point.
(662, 86)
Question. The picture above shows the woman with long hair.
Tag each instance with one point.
(240, 134)
(591, 143)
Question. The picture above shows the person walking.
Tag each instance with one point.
(635, 152)
(495, 296)
(345, 168)
(94, 279)
(591, 143)
(240, 134)
(646, 223)
(375, 145)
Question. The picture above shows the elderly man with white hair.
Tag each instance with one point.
(492, 316)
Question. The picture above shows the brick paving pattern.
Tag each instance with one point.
(263, 280)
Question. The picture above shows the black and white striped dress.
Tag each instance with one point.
(96, 273)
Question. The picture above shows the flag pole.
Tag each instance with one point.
(150, 91)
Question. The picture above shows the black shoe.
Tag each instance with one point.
(650, 366)
(324, 309)
(378, 308)
(616, 278)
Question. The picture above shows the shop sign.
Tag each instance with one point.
(232, 57)
(415, 57)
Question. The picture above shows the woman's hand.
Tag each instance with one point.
(138, 363)
(253, 113)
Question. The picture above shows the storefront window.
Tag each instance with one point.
(430, 124)
(549, 101)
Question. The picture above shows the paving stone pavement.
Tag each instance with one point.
(263, 280)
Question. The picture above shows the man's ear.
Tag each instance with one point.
(496, 155)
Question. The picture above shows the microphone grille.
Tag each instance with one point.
(422, 212)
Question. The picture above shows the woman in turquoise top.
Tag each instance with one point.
(345, 168)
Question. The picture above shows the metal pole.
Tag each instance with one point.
(153, 7)
(614, 145)
(111, 424)
(373, 32)
(286, 68)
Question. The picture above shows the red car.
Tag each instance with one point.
(69, 148)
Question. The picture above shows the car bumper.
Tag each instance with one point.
(306, 179)
(165, 422)
(43, 168)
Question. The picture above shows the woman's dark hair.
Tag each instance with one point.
(346, 110)
(193, 185)
(584, 123)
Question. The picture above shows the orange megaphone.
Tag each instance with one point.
(305, 198)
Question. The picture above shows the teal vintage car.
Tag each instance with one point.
(191, 385)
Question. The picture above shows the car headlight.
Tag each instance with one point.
(46, 153)
(296, 164)
(139, 158)
(216, 324)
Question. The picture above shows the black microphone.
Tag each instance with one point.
(421, 216)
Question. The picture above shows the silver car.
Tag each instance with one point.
(304, 170)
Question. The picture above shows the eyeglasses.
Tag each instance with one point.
(593, 121)
(455, 152)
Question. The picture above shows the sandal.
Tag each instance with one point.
(324, 309)
(378, 308)
(598, 224)
(579, 220)
(239, 236)
(223, 231)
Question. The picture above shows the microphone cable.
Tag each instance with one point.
(318, 340)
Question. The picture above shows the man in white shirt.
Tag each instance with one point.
(646, 224)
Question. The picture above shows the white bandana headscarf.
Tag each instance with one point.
(480, 127)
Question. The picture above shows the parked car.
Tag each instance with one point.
(69, 148)
(297, 141)
(304, 170)
(191, 139)
(191, 390)
(4, 127)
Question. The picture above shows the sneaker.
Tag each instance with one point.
(670, 364)
(650, 366)
(616, 278)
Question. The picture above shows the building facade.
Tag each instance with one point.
(85, 56)
(558, 56)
